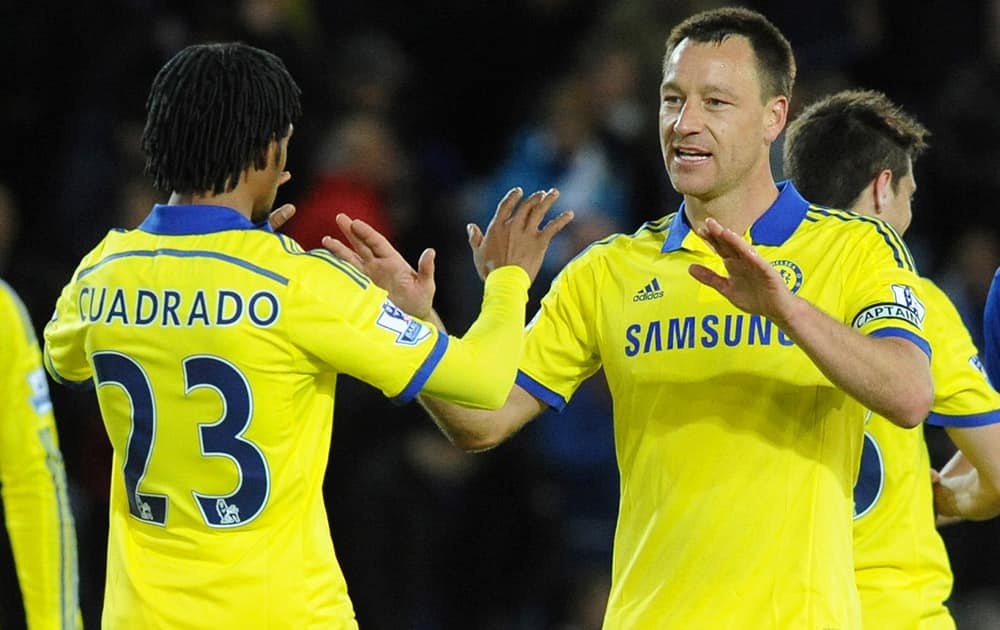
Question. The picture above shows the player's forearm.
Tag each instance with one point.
(478, 369)
(469, 429)
(979, 451)
(890, 376)
(478, 430)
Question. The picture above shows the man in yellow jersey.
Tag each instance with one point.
(215, 344)
(738, 425)
(35, 496)
(855, 150)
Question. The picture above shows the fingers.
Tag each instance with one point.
(346, 225)
(708, 277)
(371, 239)
(281, 216)
(506, 206)
(338, 249)
(557, 224)
(425, 265)
(535, 213)
(475, 235)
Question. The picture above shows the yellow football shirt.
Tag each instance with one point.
(215, 345)
(901, 564)
(737, 456)
(36, 503)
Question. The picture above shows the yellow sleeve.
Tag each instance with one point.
(478, 370)
(343, 322)
(963, 396)
(36, 504)
(64, 354)
(884, 297)
(561, 350)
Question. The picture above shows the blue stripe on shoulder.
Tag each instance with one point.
(540, 391)
(899, 249)
(424, 371)
(187, 253)
(919, 341)
(969, 420)
(321, 254)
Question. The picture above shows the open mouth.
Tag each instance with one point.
(691, 156)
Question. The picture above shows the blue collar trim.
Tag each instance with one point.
(774, 227)
(180, 220)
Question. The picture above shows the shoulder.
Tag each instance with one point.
(867, 234)
(315, 268)
(616, 248)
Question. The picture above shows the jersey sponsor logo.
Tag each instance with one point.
(790, 273)
(905, 306)
(707, 331)
(169, 308)
(409, 332)
(651, 291)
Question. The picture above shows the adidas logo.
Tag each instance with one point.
(651, 291)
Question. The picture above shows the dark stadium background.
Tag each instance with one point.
(430, 537)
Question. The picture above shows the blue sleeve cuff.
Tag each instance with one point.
(971, 420)
(423, 372)
(904, 334)
(539, 391)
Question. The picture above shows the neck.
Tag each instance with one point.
(736, 209)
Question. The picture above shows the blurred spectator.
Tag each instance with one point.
(562, 148)
(360, 169)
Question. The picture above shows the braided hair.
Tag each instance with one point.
(212, 112)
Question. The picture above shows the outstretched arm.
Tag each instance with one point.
(890, 376)
(413, 290)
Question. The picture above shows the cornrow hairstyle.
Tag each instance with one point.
(839, 144)
(775, 59)
(212, 111)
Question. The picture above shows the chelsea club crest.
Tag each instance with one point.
(790, 273)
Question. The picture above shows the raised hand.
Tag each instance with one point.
(753, 284)
(513, 237)
(372, 253)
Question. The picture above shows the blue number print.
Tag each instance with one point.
(871, 477)
(225, 438)
(113, 368)
(220, 438)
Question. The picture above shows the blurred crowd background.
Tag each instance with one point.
(418, 117)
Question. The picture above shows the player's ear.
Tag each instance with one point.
(882, 190)
(775, 117)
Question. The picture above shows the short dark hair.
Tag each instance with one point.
(775, 60)
(212, 111)
(839, 144)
